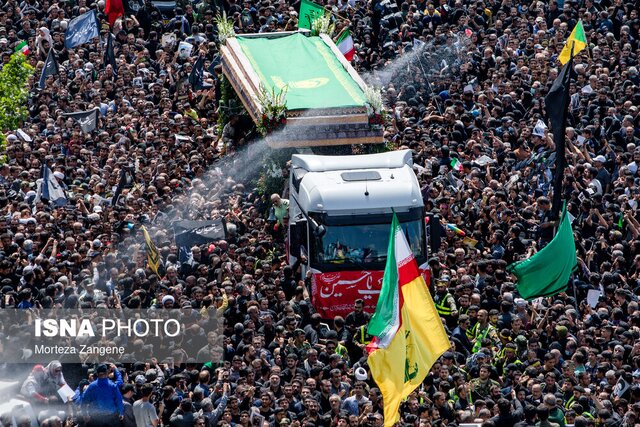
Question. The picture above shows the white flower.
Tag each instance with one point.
(374, 100)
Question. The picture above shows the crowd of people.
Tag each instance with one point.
(468, 82)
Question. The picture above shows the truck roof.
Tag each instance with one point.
(342, 185)
(316, 163)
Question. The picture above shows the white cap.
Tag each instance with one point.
(539, 129)
(600, 158)
(58, 175)
(361, 374)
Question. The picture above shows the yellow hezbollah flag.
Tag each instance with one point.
(153, 258)
(577, 41)
(409, 336)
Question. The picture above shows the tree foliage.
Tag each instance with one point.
(13, 94)
(14, 91)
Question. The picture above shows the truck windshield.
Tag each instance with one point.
(362, 246)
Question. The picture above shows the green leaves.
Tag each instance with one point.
(14, 92)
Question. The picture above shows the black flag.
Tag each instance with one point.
(88, 120)
(188, 233)
(50, 68)
(82, 29)
(214, 62)
(109, 55)
(196, 78)
(557, 107)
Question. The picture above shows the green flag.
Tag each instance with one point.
(387, 311)
(309, 12)
(576, 42)
(547, 272)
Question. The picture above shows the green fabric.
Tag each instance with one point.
(309, 12)
(387, 309)
(557, 416)
(21, 45)
(547, 272)
(579, 36)
(314, 76)
(343, 36)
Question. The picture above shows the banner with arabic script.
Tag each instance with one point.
(334, 293)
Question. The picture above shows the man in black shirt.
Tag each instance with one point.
(357, 317)
(544, 233)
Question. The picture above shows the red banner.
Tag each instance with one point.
(334, 293)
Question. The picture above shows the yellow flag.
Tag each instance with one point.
(409, 335)
(153, 257)
(576, 41)
(470, 242)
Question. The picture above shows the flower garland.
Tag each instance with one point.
(274, 109)
(375, 106)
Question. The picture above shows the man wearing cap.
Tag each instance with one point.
(571, 393)
(444, 301)
(509, 356)
(603, 176)
(448, 361)
(102, 402)
(484, 331)
(298, 345)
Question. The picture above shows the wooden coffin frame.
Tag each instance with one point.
(313, 127)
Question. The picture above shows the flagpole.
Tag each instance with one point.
(336, 14)
(575, 297)
(435, 100)
(560, 146)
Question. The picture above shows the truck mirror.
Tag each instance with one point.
(272, 215)
(434, 232)
(319, 231)
(298, 237)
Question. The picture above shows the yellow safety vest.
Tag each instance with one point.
(364, 337)
(341, 350)
(570, 402)
(471, 332)
(480, 337)
(441, 308)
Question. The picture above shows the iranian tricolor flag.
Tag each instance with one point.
(456, 164)
(345, 45)
(23, 47)
(409, 335)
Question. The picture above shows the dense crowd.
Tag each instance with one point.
(470, 86)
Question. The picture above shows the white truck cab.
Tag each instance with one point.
(340, 213)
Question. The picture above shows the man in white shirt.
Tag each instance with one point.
(144, 411)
